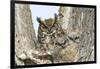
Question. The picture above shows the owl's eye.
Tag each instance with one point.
(44, 29)
(42, 26)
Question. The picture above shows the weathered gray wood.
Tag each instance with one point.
(25, 39)
(81, 22)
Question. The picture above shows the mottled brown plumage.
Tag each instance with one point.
(48, 30)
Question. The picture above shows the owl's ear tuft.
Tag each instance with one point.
(56, 17)
(40, 20)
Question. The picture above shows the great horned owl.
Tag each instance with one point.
(48, 31)
(53, 39)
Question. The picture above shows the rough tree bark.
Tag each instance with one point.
(25, 39)
(79, 21)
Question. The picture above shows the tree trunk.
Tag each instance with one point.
(79, 22)
(25, 39)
